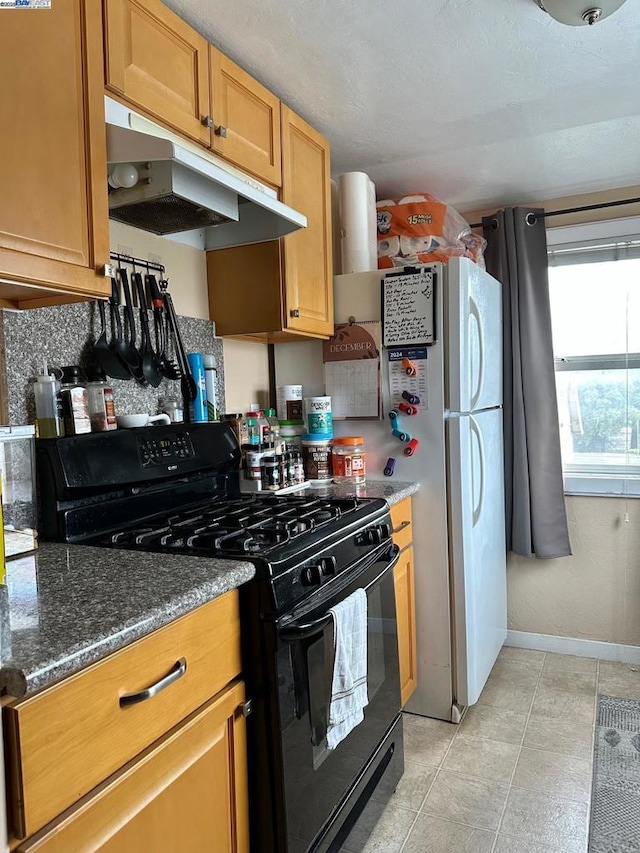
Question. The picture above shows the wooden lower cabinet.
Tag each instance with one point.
(405, 613)
(185, 794)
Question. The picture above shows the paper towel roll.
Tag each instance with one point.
(335, 228)
(357, 196)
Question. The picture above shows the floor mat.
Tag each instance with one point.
(615, 801)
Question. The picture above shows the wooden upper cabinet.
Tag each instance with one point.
(283, 289)
(54, 228)
(307, 254)
(186, 793)
(246, 119)
(159, 63)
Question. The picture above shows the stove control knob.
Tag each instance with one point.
(311, 575)
(328, 566)
(372, 536)
(386, 531)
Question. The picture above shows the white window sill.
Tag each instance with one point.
(601, 485)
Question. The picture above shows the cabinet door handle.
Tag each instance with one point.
(220, 130)
(246, 708)
(295, 312)
(177, 671)
(207, 121)
(401, 527)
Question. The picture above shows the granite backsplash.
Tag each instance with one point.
(64, 334)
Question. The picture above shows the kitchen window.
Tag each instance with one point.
(594, 282)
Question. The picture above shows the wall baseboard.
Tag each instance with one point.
(574, 646)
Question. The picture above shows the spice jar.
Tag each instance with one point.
(75, 402)
(102, 413)
(349, 459)
(270, 473)
(255, 455)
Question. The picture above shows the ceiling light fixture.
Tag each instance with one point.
(579, 13)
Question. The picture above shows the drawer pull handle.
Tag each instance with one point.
(177, 671)
(402, 527)
(246, 708)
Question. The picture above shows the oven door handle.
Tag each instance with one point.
(304, 630)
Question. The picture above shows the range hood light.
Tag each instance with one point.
(123, 175)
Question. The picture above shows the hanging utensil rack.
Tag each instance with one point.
(140, 263)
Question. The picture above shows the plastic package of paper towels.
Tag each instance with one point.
(358, 235)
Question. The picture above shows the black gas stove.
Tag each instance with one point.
(176, 489)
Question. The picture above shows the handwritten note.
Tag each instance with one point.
(407, 309)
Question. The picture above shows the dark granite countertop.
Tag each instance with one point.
(392, 491)
(65, 606)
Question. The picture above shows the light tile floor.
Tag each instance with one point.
(515, 775)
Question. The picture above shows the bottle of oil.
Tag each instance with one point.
(49, 420)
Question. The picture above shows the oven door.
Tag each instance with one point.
(318, 780)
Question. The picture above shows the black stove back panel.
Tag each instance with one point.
(99, 462)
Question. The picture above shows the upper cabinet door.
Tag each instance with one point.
(308, 264)
(53, 166)
(246, 119)
(159, 63)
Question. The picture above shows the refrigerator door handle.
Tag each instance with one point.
(474, 314)
(475, 430)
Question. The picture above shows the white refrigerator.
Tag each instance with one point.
(458, 513)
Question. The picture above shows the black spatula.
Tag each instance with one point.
(103, 354)
(150, 367)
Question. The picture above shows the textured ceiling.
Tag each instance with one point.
(475, 101)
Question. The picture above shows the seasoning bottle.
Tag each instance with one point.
(102, 412)
(270, 473)
(255, 456)
(173, 407)
(75, 402)
(263, 423)
(253, 432)
(49, 419)
(210, 375)
(239, 425)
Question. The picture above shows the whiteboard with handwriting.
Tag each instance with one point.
(407, 309)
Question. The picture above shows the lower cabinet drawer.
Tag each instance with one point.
(401, 523)
(187, 792)
(67, 739)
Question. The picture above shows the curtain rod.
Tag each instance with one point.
(580, 209)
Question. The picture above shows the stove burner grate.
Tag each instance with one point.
(230, 527)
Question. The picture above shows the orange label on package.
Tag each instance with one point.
(414, 219)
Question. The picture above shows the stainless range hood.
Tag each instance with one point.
(185, 193)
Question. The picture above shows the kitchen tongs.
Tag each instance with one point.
(188, 385)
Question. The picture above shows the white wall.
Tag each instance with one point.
(186, 266)
(592, 595)
(246, 364)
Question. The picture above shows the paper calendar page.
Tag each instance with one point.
(352, 370)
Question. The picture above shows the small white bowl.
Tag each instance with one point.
(141, 419)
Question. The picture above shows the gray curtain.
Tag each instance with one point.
(516, 254)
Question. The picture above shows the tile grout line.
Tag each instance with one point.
(433, 782)
(515, 766)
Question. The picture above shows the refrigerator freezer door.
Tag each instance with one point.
(474, 326)
(477, 548)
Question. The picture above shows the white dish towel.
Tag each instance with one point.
(349, 695)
